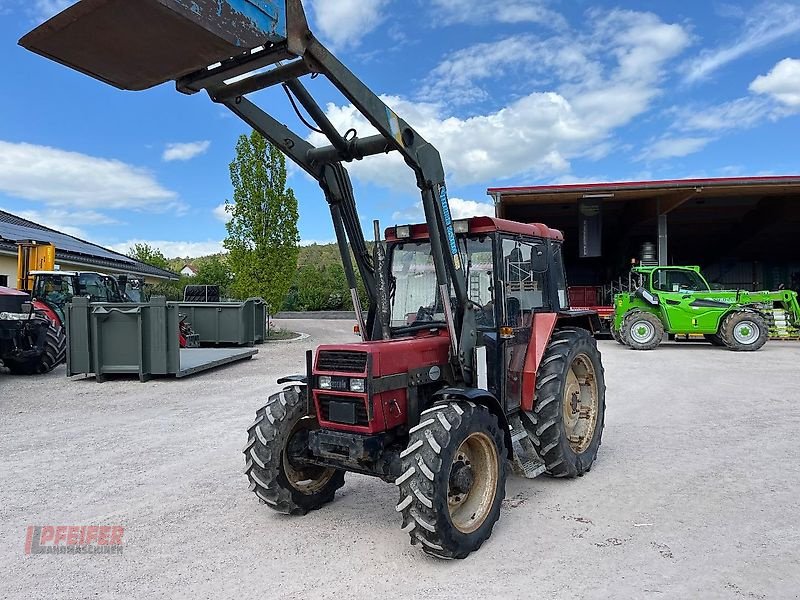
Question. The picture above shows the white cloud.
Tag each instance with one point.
(538, 134)
(172, 248)
(317, 242)
(782, 83)
(741, 113)
(509, 11)
(674, 147)
(766, 24)
(459, 208)
(185, 151)
(62, 178)
(622, 47)
(344, 23)
(221, 214)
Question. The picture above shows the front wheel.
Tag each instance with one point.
(453, 479)
(642, 330)
(53, 354)
(566, 425)
(744, 331)
(278, 435)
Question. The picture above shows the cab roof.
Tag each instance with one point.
(486, 225)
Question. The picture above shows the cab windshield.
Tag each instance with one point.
(414, 298)
(674, 280)
(56, 290)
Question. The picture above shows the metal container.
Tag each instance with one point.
(236, 323)
(142, 339)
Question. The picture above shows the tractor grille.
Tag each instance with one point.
(342, 361)
(345, 410)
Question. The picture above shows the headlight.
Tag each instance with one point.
(402, 232)
(461, 226)
(358, 385)
(325, 382)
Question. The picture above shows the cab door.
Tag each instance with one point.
(524, 265)
(680, 293)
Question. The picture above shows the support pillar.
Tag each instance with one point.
(662, 240)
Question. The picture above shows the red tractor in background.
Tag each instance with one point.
(471, 358)
(32, 340)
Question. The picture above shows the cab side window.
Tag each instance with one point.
(524, 268)
(92, 286)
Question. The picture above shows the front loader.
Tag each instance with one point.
(470, 360)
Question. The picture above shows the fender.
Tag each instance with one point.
(541, 331)
(484, 398)
(48, 312)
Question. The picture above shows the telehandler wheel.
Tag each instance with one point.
(642, 330)
(454, 478)
(714, 339)
(55, 351)
(566, 424)
(285, 487)
(744, 331)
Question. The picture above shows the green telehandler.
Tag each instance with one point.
(679, 301)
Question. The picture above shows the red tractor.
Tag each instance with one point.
(32, 340)
(470, 360)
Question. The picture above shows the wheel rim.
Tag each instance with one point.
(642, 332)
(472, 482)
(746, 332)
(306, 479)
(580, 404)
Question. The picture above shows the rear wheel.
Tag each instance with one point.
(54, 353)
(566, 424)
(642, 330)
(453, 481)
(744, 331)
(280, 432)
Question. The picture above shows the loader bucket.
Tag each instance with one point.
(138, 44)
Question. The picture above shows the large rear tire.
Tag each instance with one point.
(55, 352)
(453, 479)
(285, 487)
(566, 425)
(744, 331)
(642, 330)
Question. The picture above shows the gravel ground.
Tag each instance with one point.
(694, 494)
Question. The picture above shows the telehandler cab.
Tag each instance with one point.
(470, 358)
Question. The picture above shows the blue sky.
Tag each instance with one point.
(512, 93)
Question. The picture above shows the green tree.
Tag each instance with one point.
(214, 270)
(262, 240)
(148, 254)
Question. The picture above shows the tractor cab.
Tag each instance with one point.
(56, 289)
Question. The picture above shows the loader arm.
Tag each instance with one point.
(233, 48)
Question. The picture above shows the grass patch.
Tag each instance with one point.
(277, 335)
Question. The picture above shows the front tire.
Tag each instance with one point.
(453, 479)
(642, 330)
(744, 331)
(53, 354)
(566, 425)
(285, 487)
